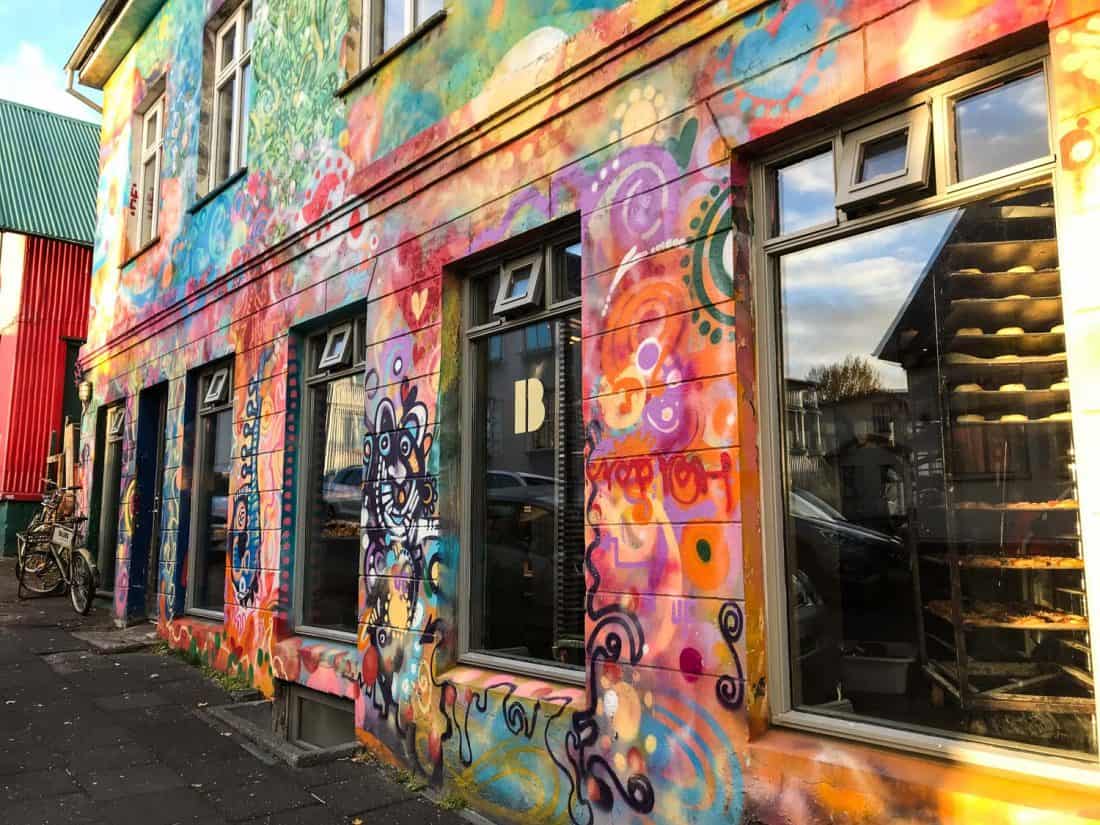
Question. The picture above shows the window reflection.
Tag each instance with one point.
(217, 441)
(330, 586)
(1002, 127)
(528, 579)
(936, 571)
(884, 157)
(805, 192)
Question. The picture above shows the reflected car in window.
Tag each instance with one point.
(498, 479)
(342, 492)
(833, 550)
(519, 555)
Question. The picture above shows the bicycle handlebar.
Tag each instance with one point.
(69, 489)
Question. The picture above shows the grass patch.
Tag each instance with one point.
(235, 682)
(452, 802)
(365, 757)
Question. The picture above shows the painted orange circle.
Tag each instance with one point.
(704, 556)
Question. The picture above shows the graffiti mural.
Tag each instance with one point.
(628, 117)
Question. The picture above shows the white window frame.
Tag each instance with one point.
(552, 307)
(355, 351)
(233, 72)
(372, 27)
(147, 152)
(1034, 762)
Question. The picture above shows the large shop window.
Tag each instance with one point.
(525, 448)
(232, 95)
(331, 502)
(210, 496)
(934, 572)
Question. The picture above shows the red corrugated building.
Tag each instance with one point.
(48, 170)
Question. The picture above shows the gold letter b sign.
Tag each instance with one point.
(530, 409)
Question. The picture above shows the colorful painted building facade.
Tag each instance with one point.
(296, 208)
(48, 176)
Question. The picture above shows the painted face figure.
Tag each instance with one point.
(245, 580)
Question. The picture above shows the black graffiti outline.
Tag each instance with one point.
(730, 689)
(604, 644)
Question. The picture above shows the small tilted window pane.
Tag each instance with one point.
(520, 281)
(117, 423)
(805, 192)
(336, 349)
(216, 389)
(1002, 127)
(520, 285)
(884, 157)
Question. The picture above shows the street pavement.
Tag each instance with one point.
(92, 739)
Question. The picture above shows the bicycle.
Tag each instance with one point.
(51, 554)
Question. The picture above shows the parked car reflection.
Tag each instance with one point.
(342, 493)
(839, 554)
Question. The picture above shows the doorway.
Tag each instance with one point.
(148, 521)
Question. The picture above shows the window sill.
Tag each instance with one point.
(910, 756)
(477, 676)
(141, 250)
(217, 190)
(390, 54)
(532, 670)
(212, 616)
(338, 637)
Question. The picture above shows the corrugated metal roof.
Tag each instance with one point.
(49, 165)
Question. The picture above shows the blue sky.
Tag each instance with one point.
(36, 38)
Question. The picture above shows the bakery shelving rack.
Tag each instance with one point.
(997, 559)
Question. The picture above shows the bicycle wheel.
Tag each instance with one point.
(82, 587)
(38, 571)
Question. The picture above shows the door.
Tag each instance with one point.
(148, 523)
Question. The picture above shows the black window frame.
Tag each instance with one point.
(199, 529)
(318, 375)
(547, 306)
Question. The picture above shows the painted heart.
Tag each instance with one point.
(418, 302)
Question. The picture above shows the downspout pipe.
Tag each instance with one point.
(87, 101)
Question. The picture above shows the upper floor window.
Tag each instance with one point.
(151, 156)
(232, 92)
(525, 466)
(387, 22)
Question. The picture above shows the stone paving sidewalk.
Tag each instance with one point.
(92, 739)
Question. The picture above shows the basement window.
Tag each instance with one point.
(318, 720)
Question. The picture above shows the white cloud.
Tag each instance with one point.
(26, 77)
